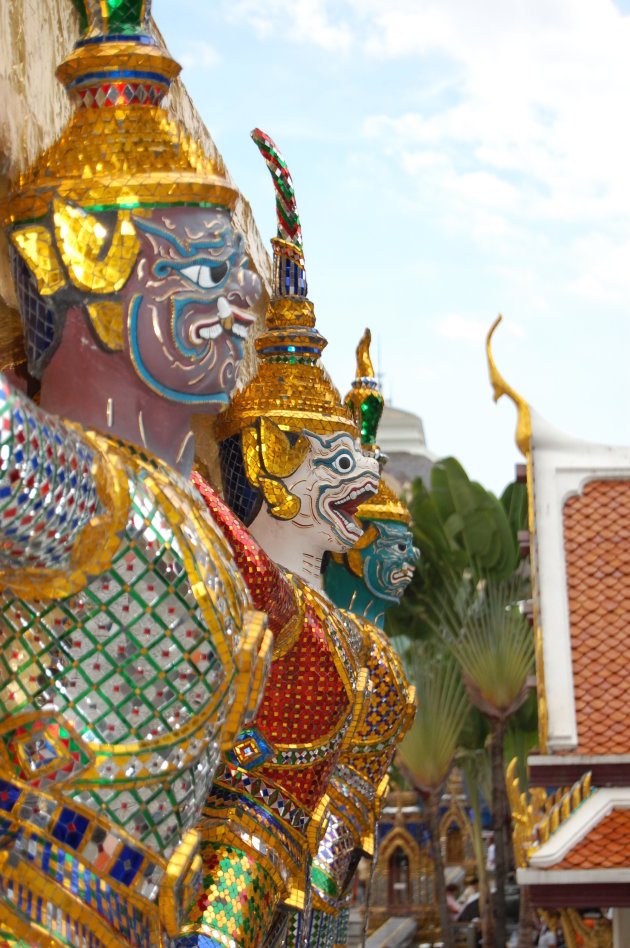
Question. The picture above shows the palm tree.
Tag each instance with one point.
(493, 643)
(429, 747)
(466, 593)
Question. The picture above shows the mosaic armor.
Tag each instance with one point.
(293, 470)
(366, 580)
(357, 788)
(268, 806)
(128, 647)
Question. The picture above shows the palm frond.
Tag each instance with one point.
(429, 747)
(491, 639)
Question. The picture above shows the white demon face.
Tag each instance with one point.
(331, 483)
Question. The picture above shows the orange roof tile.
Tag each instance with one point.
(597, 550)
(607, 846)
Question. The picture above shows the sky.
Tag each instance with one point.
(451, 161)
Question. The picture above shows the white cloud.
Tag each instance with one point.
(459, 328)
(542, 95)
(304, 21)
(200, 55)
(604, 274)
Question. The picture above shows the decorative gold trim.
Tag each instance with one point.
(577, 934)
(254, 655)
(365, 369)
(525, 815)
(176, 884)
(35, 245)
(106, 317)
(501, 387)
(566, 802)
(317, 825)
(96, 261)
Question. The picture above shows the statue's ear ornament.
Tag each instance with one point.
(97, 260)
(282, 503)
(269, 456)
(34, 244)
(279, 457)
(106, 317)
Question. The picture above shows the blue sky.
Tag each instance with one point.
(451, 160)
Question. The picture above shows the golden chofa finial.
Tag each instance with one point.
(365, 369)
(500, 387)
(365, 400)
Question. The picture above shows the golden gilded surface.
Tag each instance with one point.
(252, 663)
(290, 312)
(279, 457)
(282, 504)
(269, 456)
(104, 57)
(119, 157)
(81, 240)
(294, 396)
(35, 245)
(501, 387)
(525, 815)
(384, 505)
(365, 369)
(106, 317)
(523, 440)
(577, 932)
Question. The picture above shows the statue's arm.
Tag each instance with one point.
(49, 491)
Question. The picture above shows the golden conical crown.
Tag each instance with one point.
(119, 148)
(290, 386)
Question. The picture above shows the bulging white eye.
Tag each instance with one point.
(401, 547)
(344, 462)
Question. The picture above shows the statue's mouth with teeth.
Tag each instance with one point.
(189, 303)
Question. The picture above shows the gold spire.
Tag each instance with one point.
(365, 401)
(290, 387)
(365, 369)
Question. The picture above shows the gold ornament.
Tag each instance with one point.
(290, 388)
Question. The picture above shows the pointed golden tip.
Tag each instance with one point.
(495, 378)
(500, 387)
(365, 369)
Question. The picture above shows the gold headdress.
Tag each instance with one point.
(291, 387)
(119, 152)
(119, 149)
(365, 401)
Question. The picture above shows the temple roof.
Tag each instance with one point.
(607, 846)
(597, 550)
(591, 846)
(580, 495)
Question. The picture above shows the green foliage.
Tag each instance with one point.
(515, 503)
(464, 535)
(465, 596)
(493, 642)
(474, 520)
(429, 747)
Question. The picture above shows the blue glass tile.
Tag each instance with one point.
(8, 795)
(126, 866)
(70, 827)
